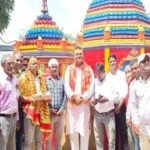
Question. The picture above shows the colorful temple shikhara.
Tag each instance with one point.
(45, 40)
(115, 26)
(110, 26)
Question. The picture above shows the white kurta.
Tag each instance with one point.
(118, 81)
(129, 107)
(140, 98)
(78, 116)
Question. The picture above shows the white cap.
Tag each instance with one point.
(142, 57)
(53, 61)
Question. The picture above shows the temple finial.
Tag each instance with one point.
(44, 5)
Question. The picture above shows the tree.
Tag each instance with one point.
(69, 37)
(6, 7)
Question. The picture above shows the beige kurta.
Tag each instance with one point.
(78, 116)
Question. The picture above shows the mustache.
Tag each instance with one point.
(54, 71)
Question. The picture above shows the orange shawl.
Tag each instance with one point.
(38, 112)
(86, 78)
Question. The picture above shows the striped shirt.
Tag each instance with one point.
(57, 92)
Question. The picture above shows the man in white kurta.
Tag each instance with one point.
(133, 141)
(79, 84)
(141, 103)
(117, 80)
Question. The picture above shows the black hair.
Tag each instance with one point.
(99, 67)
(112, 56)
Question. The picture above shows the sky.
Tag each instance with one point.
(68, 14)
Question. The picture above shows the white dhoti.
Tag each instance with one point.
(78, 116)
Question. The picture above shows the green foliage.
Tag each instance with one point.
(6, 7)
(69, 37)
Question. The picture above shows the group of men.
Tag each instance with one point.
(39, 106)
(137, 102)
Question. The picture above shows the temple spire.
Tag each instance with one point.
(44, 5)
